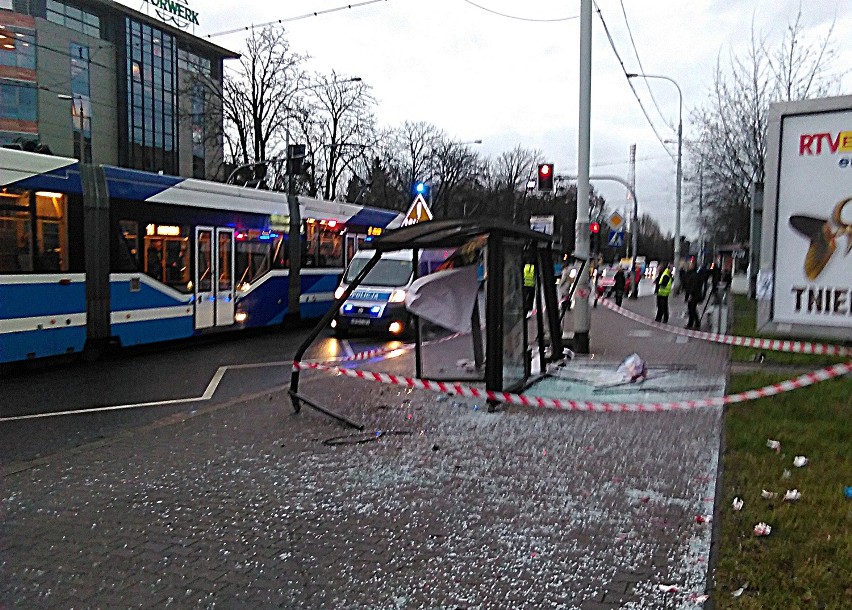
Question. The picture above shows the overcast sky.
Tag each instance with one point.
(509, 81)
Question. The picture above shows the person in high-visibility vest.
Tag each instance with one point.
(529, 286)
(663, 288)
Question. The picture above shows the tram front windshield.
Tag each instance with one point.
(387, 272)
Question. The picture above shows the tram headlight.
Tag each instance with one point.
(395, 328)
(240, 317)
(397, 296)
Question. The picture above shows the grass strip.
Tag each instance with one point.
(744, 324)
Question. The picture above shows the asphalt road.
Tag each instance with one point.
(49, 406)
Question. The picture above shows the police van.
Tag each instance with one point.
(377, 304)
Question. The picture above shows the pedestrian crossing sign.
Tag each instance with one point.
(418, 212)
(616, 239)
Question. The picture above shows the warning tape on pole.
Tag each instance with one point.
(776, 345)
(824, 374)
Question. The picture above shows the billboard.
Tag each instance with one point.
(809, 282)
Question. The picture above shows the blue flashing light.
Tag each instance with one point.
(375, 309)
(348, 307)
(420, 188)
(368, 238)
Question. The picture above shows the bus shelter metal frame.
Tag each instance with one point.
(452, 234)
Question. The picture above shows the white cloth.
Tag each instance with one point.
(445, 298)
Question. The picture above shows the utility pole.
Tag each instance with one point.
(582, 317)
(294, 292)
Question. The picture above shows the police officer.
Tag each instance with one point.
(529, 286)
(663, 288)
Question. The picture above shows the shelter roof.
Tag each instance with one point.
(452, 233)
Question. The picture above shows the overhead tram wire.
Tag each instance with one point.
(493, 12)
(632, 88)
(641, 67)
(297, 18)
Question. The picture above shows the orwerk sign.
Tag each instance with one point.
(176, 12)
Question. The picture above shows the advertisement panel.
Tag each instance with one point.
(813, 243)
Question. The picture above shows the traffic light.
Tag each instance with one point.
(545, 177)
(595, 236)
(296, 165)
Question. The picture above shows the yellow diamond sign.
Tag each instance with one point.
(616, 221)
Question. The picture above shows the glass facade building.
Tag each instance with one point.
(151, 97)
(108, 84)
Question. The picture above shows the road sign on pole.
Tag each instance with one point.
(418, 212)
(616, 239)
(616, 221)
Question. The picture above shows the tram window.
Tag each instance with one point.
(154, 257)
(127, 256)
(167, 255)
(323, 244)
(51, 252)
(253, 257)
(225, 278)
(177, 263)
(281, 253)
(205, 261)
(16, 243)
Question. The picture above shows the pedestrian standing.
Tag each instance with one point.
(663, 288)
(693, 284)
(618, 287)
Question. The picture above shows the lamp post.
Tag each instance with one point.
(679, 168)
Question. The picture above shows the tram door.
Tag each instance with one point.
(353, 243)
(225, 275)
(214, 277)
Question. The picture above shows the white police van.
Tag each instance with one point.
(377, 304)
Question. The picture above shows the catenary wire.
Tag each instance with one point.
(639, 61)
(632, 88)
(297, 18)
(515, 17)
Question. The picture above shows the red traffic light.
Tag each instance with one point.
(595, 227)
(545, 177)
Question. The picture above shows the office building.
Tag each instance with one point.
(107, 84)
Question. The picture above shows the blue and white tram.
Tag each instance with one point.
(97, 255)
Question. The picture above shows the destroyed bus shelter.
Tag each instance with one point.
(507, 248)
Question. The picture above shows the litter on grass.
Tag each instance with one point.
(762, 529)
(738, 504)
(800, 461)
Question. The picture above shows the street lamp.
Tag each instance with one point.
(679, 168)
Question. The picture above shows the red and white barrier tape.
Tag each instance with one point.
(776, 345)
(458, 389)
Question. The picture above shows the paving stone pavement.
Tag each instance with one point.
(439, 504)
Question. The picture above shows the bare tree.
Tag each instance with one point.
(730, 151)
(456, 168)
(510, 173)
(337, 123)
(258, 95)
